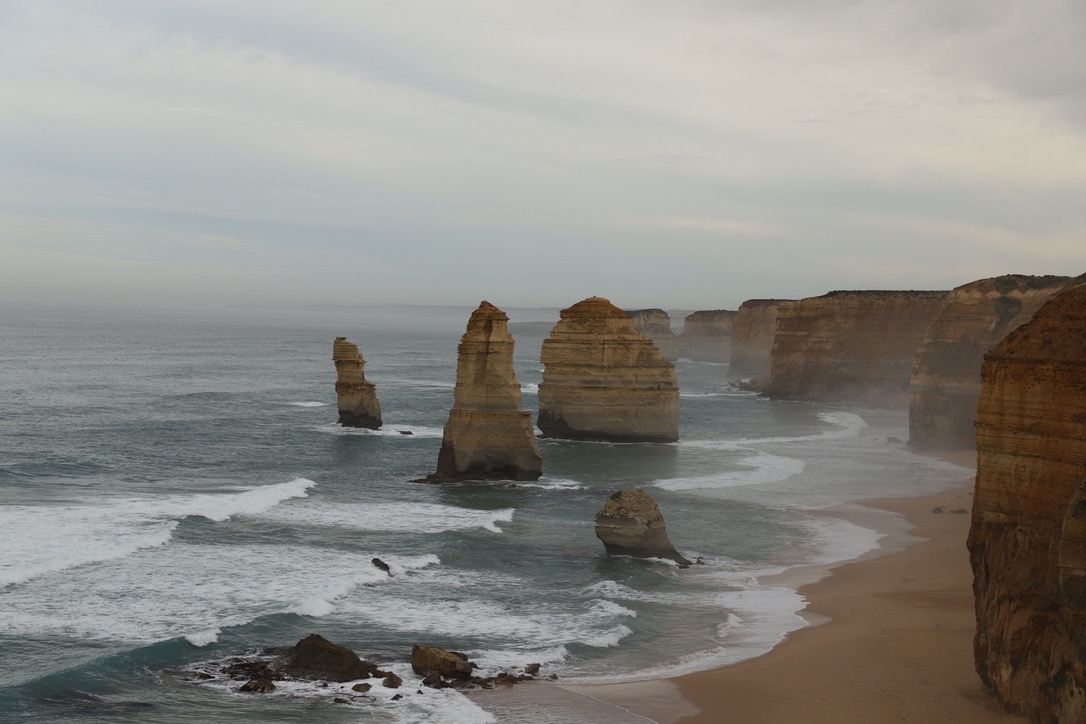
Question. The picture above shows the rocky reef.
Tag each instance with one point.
(630, 523)
(488, 434)
(358, 405)
(850, 346)
(753, 331)
(655, 326)
(707, 336)
(1027, 541)
(945, 381)
(603, 381)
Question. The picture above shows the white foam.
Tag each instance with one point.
(530, 388)
(387, 430)
(556, 484)
(308, 404)
(395, 517)
(848, 425)
(762, 468)
(203, 638)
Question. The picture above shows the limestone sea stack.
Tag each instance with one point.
(358, 405)
(1027, 541)
(630, 524)
(753, 331)
(849, 346)
(707, 336)
(488, 434)
(945, 380)
(655, 326)
(603, 381)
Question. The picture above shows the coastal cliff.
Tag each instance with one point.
(655, 326)
(753, 331)
(945, 381)
(488, 434)
(357, 398)
(603, 381)
(1027, 540)
(707, 336)
(849, 346)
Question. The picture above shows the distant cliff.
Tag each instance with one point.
(1027, 541)
(945, 381)
(849, 346)
(655, 326)
(752, 338)
(707, 336)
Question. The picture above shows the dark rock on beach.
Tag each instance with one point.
(447, 664)
(257, 686)
(315, 658)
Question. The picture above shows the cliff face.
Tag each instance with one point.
(488, 435)
(707, 336)
(655, 326)
(849, 346)
(358, 406)
(752, 338)
(945, 381)
(603, 381)
(1027, 542)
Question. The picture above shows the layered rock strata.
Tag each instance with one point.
(630, 523)
(1027, 541)
(488, 434)
(849, 346)
(753, 331)
(945, 380)
(655, 326)
(603, 381)
(358, 405)
(707, 336)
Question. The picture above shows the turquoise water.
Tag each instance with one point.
(175, 491)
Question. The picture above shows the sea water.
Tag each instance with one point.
(175, 490)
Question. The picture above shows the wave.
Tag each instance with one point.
(393, 517)
(848, 425)
(530, 388)
(763, 469)
(308, 404)
(387, 430)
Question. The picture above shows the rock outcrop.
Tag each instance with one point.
(1027, 541)
(315, 658)
(630, 524)
(945, 380)
(488, 434)
(358, 406)
(707, 336)
(849, 346)
(655, 326)
(431, 659)
(753, 331)
(603, 381)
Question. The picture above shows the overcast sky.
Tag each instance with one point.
(660, 153)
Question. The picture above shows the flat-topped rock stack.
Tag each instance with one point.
(753, 331)
(488, 434)
(357, 398)
(707, 336)
(655, 326)
(603, 381)
(945, 381)
(1027, 541)
(630, 524)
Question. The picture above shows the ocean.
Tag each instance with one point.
(175, 491)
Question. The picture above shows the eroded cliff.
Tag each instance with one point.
(603, 381)
(753, 331)
(707, 336)
(356, 397)
(945, 380)
(1027, 541)
(655, 326)
(849, 346)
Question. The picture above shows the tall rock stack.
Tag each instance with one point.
(488, 435)
(358, 405)
(1027, 541)
(655, 326)
(707, 336)
(753, 331)
(945, 381)
(603, 381)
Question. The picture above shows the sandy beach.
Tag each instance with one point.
(893, 640)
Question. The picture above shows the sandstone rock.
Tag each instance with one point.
(361, 688)
(391, 681)
(945, 380)
(257, 686)
(603, 381)
(753, 332)
(630, 523)
(431, 659)
(315, 658)
(358, 405)
(488, 434)
(854, 347)
(707, 336)
(1027, 539)
(655, 326)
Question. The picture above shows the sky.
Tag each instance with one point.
(666, 153)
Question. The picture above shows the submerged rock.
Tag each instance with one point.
(631, 524)
(315, 658)
(357, 398)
